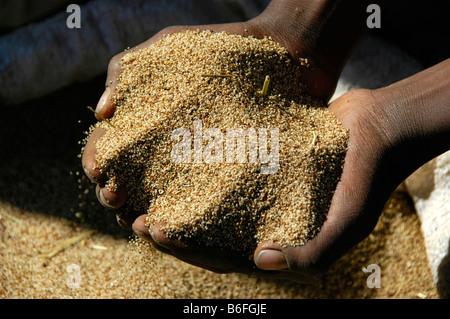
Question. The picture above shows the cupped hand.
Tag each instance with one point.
(357, 203)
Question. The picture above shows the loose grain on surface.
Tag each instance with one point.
(133, 269)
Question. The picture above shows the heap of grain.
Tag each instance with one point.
(214, 135)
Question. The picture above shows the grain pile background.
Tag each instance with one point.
(210, 199)
(111, 267)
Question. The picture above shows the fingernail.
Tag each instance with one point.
(105, 202)
(270, 259)
(142, 235)
(152, 235)
(102, 101)
(139, 233)
(88, 174)
(141, 229)
(123, 223)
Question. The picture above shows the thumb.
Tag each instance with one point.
(308, 262)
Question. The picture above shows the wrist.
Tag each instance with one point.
(325, 32)
(295, 24)
(414, 115)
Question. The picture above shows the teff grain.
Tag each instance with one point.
(225, 205)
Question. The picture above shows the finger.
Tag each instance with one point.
(111, 199)
(88, 158)
(211, 258)
(300, 263)
(105, 106)
(274, 262)
(270, 256)
(319, 84)
(141, 229)
(125, 218)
